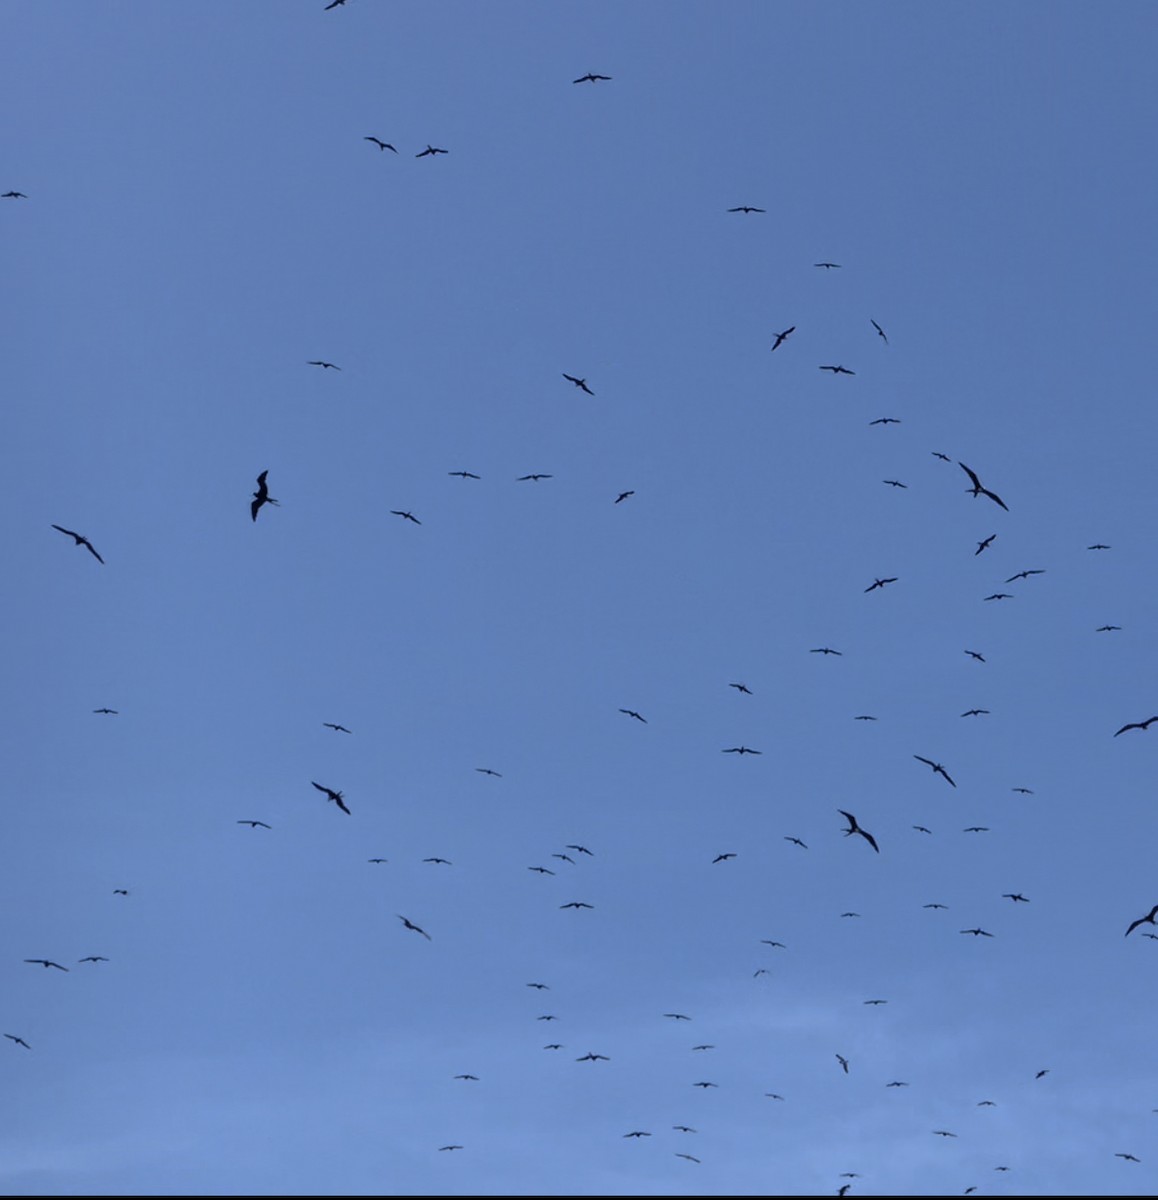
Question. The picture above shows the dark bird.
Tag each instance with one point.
(1107, 628)
(976, 829)
(773, 1095)
(864, 717)
(1043, 1071)
(14, 196)
(942, 457)
(782, 336)
(46, 962)
(886, 421)
(880, 331)
(943, 1133)
(579, 849)
(473, 1077)
(922, 829)
(984, 545)
(769, 942)
(895, 483)
(431, 150)
(976, 712)
(18, 1040)
(934, 905)
(741, 687)
(335, 728)
(533, 478)
(378, 860)
(897, 1083)
(843, 1063)
(576, 904)
(590, 77)
(638, 1133)
(415, 928)
(579, 383)
(333, 4)
(623, 496)
(677, 1016)
(93, 958)
(547, 1017)
(327, 366)
(826, 650)
(120, 891)
(589, 1057)
(974, 654)
(827, 265)
(336, 797)
(850, 914)
(1148, 918)
(1023, 791)
(630, 712)
(977, 932)
(937, 768)
(746, 208)
(838, 370)
(1024, 575)
(683, 1129)
(879, 583)
(440, 1147)
(541, 870)
(795, 841)
(740, 750)
(689, 1157)
(1098, 546)
(564, 857)
(380, 144)
(875, 1002)
(488, 771)
(540, 987)
(439, 860)
(553, 1046)
(1015, 896)
(80, 540)
(723, 857)
(255, 824)
(978, 490)
(261, 496)
(408, 515)
(704, 1047)
(853, 827)
(999, 596)
(986, 1104)
(112, 712)
(705, 1084)
(1137, 725)
(1127, 1157)
(465, 474)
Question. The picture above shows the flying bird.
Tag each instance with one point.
(1098, 546)
(623, 496)
(80, 540)
(853, 827)
(579, 383)
(488, 771)
(826, 650)
(937, 768)
(976, 829)
(705, 1084)
(637, 1133)
(769, 942)
(1024, 575)
(1023, 791)
(880, 583)
(977, 932)
(333, 4)
(335, 728)
(897, 1083)
(705, 1046)
(120, 891)
(942, 457)
(576, 904)
(875, 1002)
(677, 1016)
(541, 987)
(541, 870)
(974, 654)
(431, 150)
(976, 712)
(533, 478)
(864, 717)
(1137, 725)
(1148, 918)
(255, 824)
(415, 928)
(93, 958)
(1015, 896)
(1043, 1071)
(692, 1157)
(446, 861)
(895, 483)
(18, 1040)
(112, 712)
(377, 860)
(379, 143)
(978, 490)
(999, 596)
(408, 515)
(261, 496)
(465, 474)
(327, 366)
(1107, 628)
(440, 1147)
(827, 265)
(886, 421)
(564, 857)
(590, 77)
(632, 713)
(984, 545)
(1127, 1157)
(934, 905)
(740, 750)
(746, 208)
(589, 1057)
(46, 962)
(838, 370)
(741, 687)
(943, 1133)
(782, 336)
(922, 829)
(336, 797)
(579, 849)
(683, 1129)
(723, 857)
(880, 331)
(14, 196)
(473, 1077)
(795, 841)
(843, 1063)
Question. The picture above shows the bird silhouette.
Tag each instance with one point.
(895, 483)
(922, 829)
(579, 383)
(1148, 918)
(326, 366)
(255, 824)
(1098, 546)
(984, 544)
(741, 687)
(937, 768)
(705, 1084)
(440, 1147)
(978, 490)
(431, 150)
(683, 1129)
(471, 1077)
(879, 583)
(18, 1040)
(826, 650)
(740, 750)
(336, 797)
(1127, 1157)
(93, 958)
(974, 654)
(843, 1063)
(746, 208)
(333, 4)
(1015, 896)
(976, 712)
(379, 143)
(409, 516)
(828, 266)
(444, 861)
(934, 905)
(488, 771)
(999, 596)
(1107, 628)
(886, 421)
(13, 196)
(46, 962)
(769, 942)
(942, 457)
(589, 1057)
(541, 987)
(377, 860)
(864, 717)
(465, 474)
(564, 858)
(853, 827)
(1137, 725)
(1023, 791)
(1043, 1071)
(261, 496)
(623, 496)
(1024, 575)
(943, 1133)
(112, 712)
(880, 331)
(576, 904)
(838, 370)
(875, 1002)
(795, 841)
(580, 849)
(976, 829)
(335, 728)
(782, 336)
(533, 478)
(678, 1016)
(120, 891)
(590, 77)
(723, 857)
(410, 925)
(81, 540)
(977, 932)
(632, 713)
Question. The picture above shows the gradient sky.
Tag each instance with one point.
(203, 217)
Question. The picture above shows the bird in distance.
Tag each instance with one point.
(828, 266)
(747, 208)
(984, 545)
(410, 925)
(431, 150)
(335, 728)
(255, 824)
(1137, 725)
(112, 712)
(80, 540)
(533, 478)
(579, 383)
(409, 516)
(336, 797)
(623, 496)
(782, 336)
(978, 490)
(465, 474)
(1147, 919)
(590, 77)
(879, 583)
(261, 496)
(937, 768)
(379, 143)
(880, 331)
(853, 827)
(632, 713)
(46, 962)
(326, 366)
(838, 370)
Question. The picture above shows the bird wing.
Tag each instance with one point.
(972, 475)
(868, 837)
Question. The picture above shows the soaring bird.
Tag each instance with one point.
(336, 797)
(335, 728)
(112, 712)
(826, 650)
(261, 496)
(692, 1157)
(853, 827)
(978, 490)
(895, 483)
(18, 1040)
(705, 1046)
(741, 687)
(120, 891)
(590, 77)
(864, 717)
(435, 859)
(589, 1057)
(976, 712)
(440, 1147)
(934, 904)
(547, 1017)
(540, 987)
(533, 478)
(488, 771)
(683, 1129)
(838, 370)
(579, 849)
(1023, 791)
(1148, 918)
(1015, 896)
(879, 583)
(937, 768)
(976, 829)
(93, 958)
(1127, 1157)
(746, 208)
(999, 596)
(377, 860)
(333, 4)
(943, 1133)
(14, 196)
(977, 932)
(326, 366)
(415, 928)
(984, 544)
(431, 150)
(769, 942)
(723, 857)
(705, 1084)
(380, 144)
(1107, 628)
(473, 1077)
(897, 1083)
(678, 1016)
(1137, 725)
(880, 331)
(576, 904)
(886, 421)
(942, 457)
(564, 857)
(579, 383)
(541, 870)
(465, 474)
(843, 1063)
(974, 654)
(1098, 546)
(1024, 575)
(409, 516)
(782, 336)
(623, 496)
(922, 829)
(828, 266)
(740, 750)
(875, 1002)
(1043, 1071)
(795, 841)
(255, 824)
(632, 713)
(80, 540)
(637, 1133)
(46, 962)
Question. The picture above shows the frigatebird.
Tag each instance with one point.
(445, 861)
(14, 196)
(795, 841)
(1107, 628)
(984, 544)
(974, 654)
(93, 958)
(415, 928)
(879, 330)
(978, 490)
(937, 768)
(624, 496)
(1127, 1157)
(843, 1062)
(826, 650)
(590, 77)
(942, 457)
(255, 824)
(112, 712)
(579, 849)
(533, 478)
(678, 1016)
(1043, 1071)
(705, 1084)
(999, 596)
(723, 857)
(1024, 575)
(977, 932)
(431, 150)
(379, 143)
(632, 713)
(853, 827)
(80, 540)
(838, 370)
(473, 1077)
(576, 904)
(780, 337)
(18, 1040)
(261, 496)
(746, 208)
(976, 712)
(637, 1133)
(408, 515)
(827, 265)
(327, 366)
(1015, 896)
(741, 687)
(46, 962)
(740, 750)
(886, 421)
(564, 857)
(465, 474)
(335, 728)
(541, 870)
(895, 483)
(1098, 546)
(542, 987)
(336, 797)
(1148, 918)
(923, 829)
(589, 1057)
(1137, 725)
(579, 383)
(488, 771)
(879, 583)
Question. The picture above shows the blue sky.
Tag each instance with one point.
(202, 217)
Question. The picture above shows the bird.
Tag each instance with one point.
(333, 4)
(410, 925)
(553, 1046)
(769, 942)
(942, 457)
(533, 478)
(741, 687)
(999, 596)
(757, 974)
(335, 728)
(827, 265)
(431, 150)
(895, 483)
(472, 1077)
(922, 829)
(46, 962)
(564, 857)
(93, 958)
(1023, 791)
(864, 717)
(380, 144)
(1098, 546)
(1127, 1157)
(1024, 575)
(683, 1129)
(943, 1133)
(782, 336)
(886, 421)
(632, 713)
(843, 1063)
(1137, 725)
(875, 1002)
(977, 932)
(838, 370)
(976, 712)
(589, 1057)
(336, 797)
(850, 914)
(261, 496)
(439, 860)
(579, 383)
(773, 1095)
(897, 1083)
(1043, 1071)
(541, 987)
(795, 841)
(843, 1189)
(18, 1040)
(689, 1157)
(746, 208)
(826, 650)
(934, 905)
(580, 849)
(937, 768)
(409, 516)
(488, 771)
(974, 654)
(705, 1046)
(976, 829)
(112, 712)
(120, 891)
(465, 474)
(81, 540)
(879, 583)
(377, 860)
(678, 1016)
(14, 196)
(541, 870)
(1148, 918)
(255, 824)
(984, 544)
(705, 1084)
(590, 77)
(547, 1017)
(853, 827)
(978, 490)
(880, 331)
(740, 750)
(623, 496)
(723, 857)
(1015, 896)
(576, 904)
(986, 1104)
(1107, 628)
(326, 366)
(440, 1147)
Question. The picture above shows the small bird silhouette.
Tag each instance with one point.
(630, 712)
(943, 1133)
(440, 1147)
(879, 583)
(623, 496)
(741, 687)
(533, 478)
(1024, 575)
(864, 717)
(465, 474)
(795, 841)
(984, 544)
(853, 827)
(1098, 546)
(431, 150)
(934, 905)
(974, 654)
(875, 1002)
(828, 266)
(843, 1063)
(589, 1057)
(1127, 1157)
(1043, 1071)
(13, 196)
(576, 904)
(18, 1040)
(326, 366)
(922, 829)
(895, 483)
(415, 928)
(937, 768)
(769, 942)
(579, 383)
(826, 650)
(564, 857)
(541, 870)
(408, 515)
(377, 860)
(1138, 725)
(976, 829)
(93, 958)
(336, 797)
(445, 861)
(678, 1016)
(1015, 896)
(1148, 918)
(255, 824)
(942, 457)
(782, 336)
(261, 496)
(838, 370)
(740, 750)
(705, 1084)
(579, 849)
(886, 421)
(977, 932)
(541, 987)
(120, 891)
(379, 143)
(112, 712)
(978, 490)
(999, 596)
(335, 728)
(81, 540)
(1023, 791)
(590, 77)
(637, 1133)
(723, 857)
(976, 712)
(488, 771)
(46, 962)
(880, 331)
(472, 1077)
(1107, 628)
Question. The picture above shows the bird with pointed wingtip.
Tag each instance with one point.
(579, 383)
(534, 478)
(46, 962)
(431, 150)
(1107, 628)
(488, 771)
(590, 77)
(746, 208)
(853, 827)
(978, 490)
(895, 483)
(637, 1133)
(410, 925)
(782, 336)
(943, 1133)
(1137, 725)
(723, 857)
(874, 1002)
(81, 540)
(741, 750)
(828, 266)
(934, 905)
(886, 421)
(843, 1063)
(683, 1129)
(976, 829)
(974, 654)
(922, 829)
(326, 366)
(377, 860)
(769, 942)
(630, 712)
(409, 516)
(897, 1083)
(864, 717)
(1098, 546)
(93, 958)
(1024, 575)
(579, 849)
(1015, 896)
(474, 1078)
(838, 370)
(261, 496)
(984, 544)
(1043, 1071)
(444, 861)
(942, 457)
(18, 1040)
(1127, 1157)
(541, 870)
(937, 768)
(13, 196)
(1148, 918)
(539, 987)
(976, 712)
(465, 474)
(705, 1084)
(380, 143)
(563, 857)
(440, 1147)
(1023, 791)
(741, 687)
(623, 496)
(120, 891)
(795, 841)
(879, 583)
(977, 932)
(112, 712)
(576, 904)
(677, 1016)
(705, 1046)
(880, 331)
(336, 797)
(255, 824)
(826, 650)
(590, 1057)
(999, 596)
